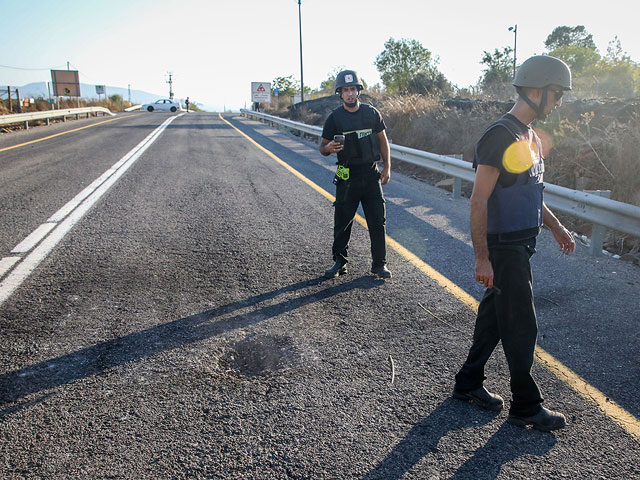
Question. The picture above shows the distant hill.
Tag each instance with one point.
(39, 89)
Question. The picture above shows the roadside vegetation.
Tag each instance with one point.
(595, 135)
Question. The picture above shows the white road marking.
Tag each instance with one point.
(92, 193)
(6, 263)
(33, 238)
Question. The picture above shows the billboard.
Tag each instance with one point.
(100, 89)
(66, 83)
(261, 92)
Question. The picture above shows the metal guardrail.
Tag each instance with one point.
(595, 209)
(132, 108)
(48, 114)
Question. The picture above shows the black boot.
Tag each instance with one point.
(481, 397)
(382, 271)
(337, 269)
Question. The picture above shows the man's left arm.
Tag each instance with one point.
(385, 151)
(561, 234)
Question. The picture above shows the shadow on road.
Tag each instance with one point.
(422, 440)
(147, 343)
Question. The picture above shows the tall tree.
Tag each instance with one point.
(498, 72)
(401, 61)
(575, 46)
(569, 36)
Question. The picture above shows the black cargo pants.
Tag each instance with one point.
(507, 313)
(362, 187)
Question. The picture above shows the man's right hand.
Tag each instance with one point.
(484, 272)
(334, 147)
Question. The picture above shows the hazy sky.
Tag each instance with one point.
(216, 48)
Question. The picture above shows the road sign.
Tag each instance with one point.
(66, 83)
(100, 89)
(261, 92)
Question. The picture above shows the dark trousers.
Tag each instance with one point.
(365, 188)
(507, 313)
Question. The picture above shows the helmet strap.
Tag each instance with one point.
(539, 109)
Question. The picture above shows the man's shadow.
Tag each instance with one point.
(98, 358)
(506, 444)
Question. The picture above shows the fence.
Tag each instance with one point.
(594, 208)
(49, 114)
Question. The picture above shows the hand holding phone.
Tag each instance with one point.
(339, 139)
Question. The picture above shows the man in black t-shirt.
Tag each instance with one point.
(507, 212)
(356, 133)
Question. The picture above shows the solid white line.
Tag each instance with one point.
(31, 261)
(33, 238)
(6, 263)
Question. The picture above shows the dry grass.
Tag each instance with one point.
(423, 122)
(606, 157)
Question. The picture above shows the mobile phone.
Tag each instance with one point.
(339, 139)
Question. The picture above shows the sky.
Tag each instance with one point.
(216, 48)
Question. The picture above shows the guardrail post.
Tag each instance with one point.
(598, 232)
(26, 125)
(456, 188)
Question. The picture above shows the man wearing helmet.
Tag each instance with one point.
(507, 213)
(356, 133)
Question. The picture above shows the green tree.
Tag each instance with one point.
(424, 84)
(401, 61)
(285, 85)
(116, 98)
(580, 59)
(498, 73)
(616, 75)
(565, 36)
(575, 46)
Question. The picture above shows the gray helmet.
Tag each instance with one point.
(346, 78)
(541, 71)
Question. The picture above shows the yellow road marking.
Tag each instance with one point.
(618, 414)
(64, 133)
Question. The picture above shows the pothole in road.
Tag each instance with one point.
(257, 356)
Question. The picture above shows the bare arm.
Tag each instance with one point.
(561, 234)
(385, 151)
(486, 178)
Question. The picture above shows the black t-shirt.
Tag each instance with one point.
(491, 147)
(360, 129)
(358, 120)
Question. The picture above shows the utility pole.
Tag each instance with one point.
(301, 71)
(129, 88)
(170, 82)
(514, 29)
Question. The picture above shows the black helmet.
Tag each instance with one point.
(346, 78)
(541, 71)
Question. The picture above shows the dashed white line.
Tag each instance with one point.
(73, 211)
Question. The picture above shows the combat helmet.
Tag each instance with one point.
(346, 78)
(541, 71)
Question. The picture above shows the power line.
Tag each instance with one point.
(32, 69)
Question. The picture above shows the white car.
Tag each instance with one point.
(164, 104)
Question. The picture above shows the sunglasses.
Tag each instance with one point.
(557, 93)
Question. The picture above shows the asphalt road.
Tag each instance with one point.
(181, 328)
